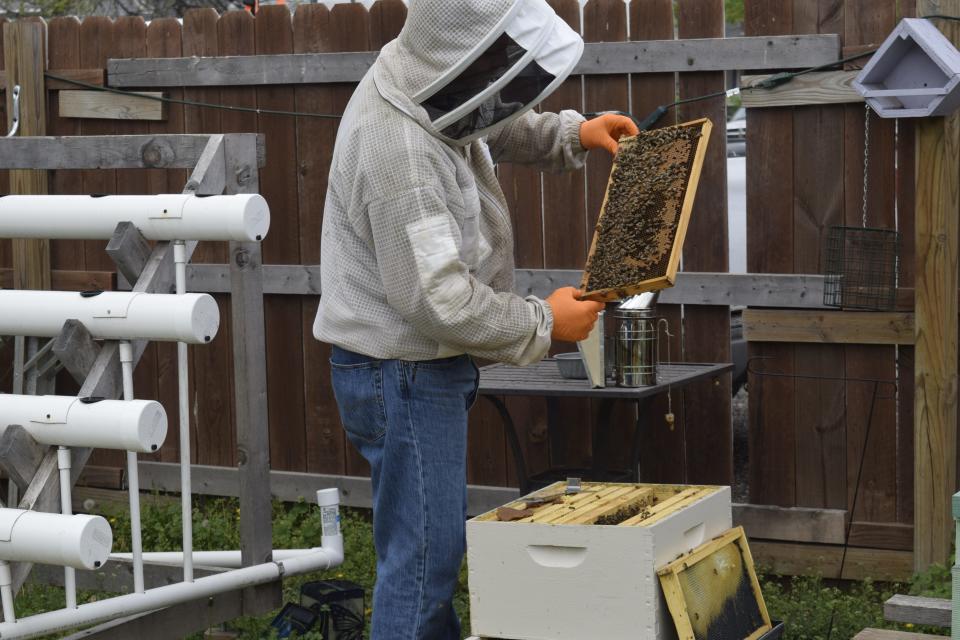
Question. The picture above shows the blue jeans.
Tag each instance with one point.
(409, 420)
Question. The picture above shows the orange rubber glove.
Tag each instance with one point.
(573, 319)
(604, 132)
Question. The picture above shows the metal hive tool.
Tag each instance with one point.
(639, 236)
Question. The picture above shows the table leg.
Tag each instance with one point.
(642, 406)
(510, 429)
(603, 426)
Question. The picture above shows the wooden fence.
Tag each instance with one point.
(804, 174)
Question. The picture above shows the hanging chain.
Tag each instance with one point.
(866, 160)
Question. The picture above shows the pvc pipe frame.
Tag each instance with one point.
(328, 556)
(6, 592)
(64, 462)
(133, 473)
(174, 216)
(186, 491)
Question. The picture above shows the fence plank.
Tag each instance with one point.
(605, 21)
(666, 461)
(837, 327)
(600, 58)
(6, 248)
(706, 330)
(63, 50)
(868, 23)
(349, 31)
(325, 440)
(770, 250)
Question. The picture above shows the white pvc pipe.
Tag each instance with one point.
(327, 499)
(66, 508)
(329, 555)
(78, 541)
(212, 559)
(133, 474)
(6, 592)
(162, 597)
(244, 217)
(111, 315)
(137, 425)
(186, 491)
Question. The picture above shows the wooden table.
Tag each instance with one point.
(544, 379)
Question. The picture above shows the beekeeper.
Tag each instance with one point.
(417, 269)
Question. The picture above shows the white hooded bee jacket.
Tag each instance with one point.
(417, 247)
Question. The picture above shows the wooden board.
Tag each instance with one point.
(884, 634)
(795, 559)
(818, 88)
(665, 222)
(111, 106)
(918, 610)
(714, 590)
(838, 327)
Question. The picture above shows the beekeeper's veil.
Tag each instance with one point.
(464, 68)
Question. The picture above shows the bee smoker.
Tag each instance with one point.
(636, 341)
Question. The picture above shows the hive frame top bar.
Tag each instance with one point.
(661, 282)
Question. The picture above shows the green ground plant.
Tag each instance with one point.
(806, 604)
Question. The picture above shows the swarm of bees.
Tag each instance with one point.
(643, 206)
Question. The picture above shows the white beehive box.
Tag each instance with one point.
(550, 577)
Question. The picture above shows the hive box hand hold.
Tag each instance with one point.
(639, 236)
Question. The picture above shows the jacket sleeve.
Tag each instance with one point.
(551, 141)
(417, 244)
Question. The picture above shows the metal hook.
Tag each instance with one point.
(16, 112)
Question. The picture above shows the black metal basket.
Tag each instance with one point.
(861, 268)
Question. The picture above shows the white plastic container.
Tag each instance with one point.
(79, 541)
(111, 315)
(531, 581)
(243, 217)
(137, 425)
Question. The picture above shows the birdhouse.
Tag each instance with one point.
(914, 74)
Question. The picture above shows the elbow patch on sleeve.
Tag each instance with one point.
(440, 270)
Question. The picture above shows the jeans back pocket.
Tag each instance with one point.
(358, 389)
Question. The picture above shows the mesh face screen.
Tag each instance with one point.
(637, 230)
(719, 596)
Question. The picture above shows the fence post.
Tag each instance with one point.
(935, 408)
(25, 55)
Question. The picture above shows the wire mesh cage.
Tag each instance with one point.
(861, 268)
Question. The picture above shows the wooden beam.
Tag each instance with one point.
(20, 455)
(936, 612)
(290, 486)
(827, 87)
(76, 349)
(129, 250)
(794, 524)
(102, 105)
(61, 280)
(651, 56)
(209, 176)
(885, 634)
(161, 151)
(89, 76)
(796, 559)
(828, 327)
(882, 535)
(935, 386)
(250, 378)
(25, 58)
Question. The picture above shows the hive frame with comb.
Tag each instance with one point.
(661, 282)
(673, 593)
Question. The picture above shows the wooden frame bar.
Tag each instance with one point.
(652, 56)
